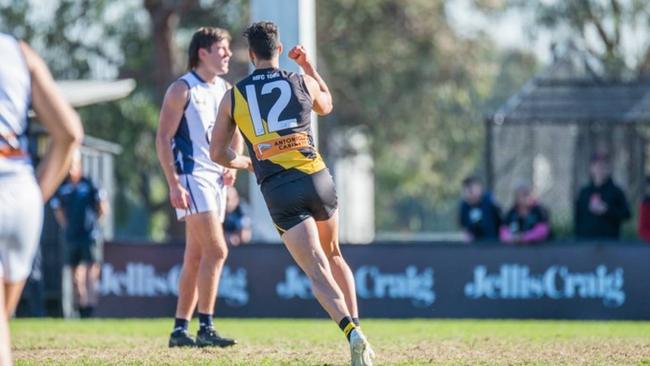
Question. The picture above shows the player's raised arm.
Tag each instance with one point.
(320, 93)
(170, 117)
(223, 133)
(58, 118)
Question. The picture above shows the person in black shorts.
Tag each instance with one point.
(78, 206)
(272, 108)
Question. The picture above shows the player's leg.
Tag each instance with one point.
(9, 296)
(213, 256)
(328, 233)
(90, 256)
(92, 290)
(303, 244)
(79, 286)
(5, 343)
(21, 213)
(187, 292)
(322, 203)
(12, 291)
(72, 259)
(208, 232)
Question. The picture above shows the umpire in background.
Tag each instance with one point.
(78, 206)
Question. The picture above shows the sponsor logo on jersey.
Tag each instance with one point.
(296, 141)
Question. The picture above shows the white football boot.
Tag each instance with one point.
(362, 353)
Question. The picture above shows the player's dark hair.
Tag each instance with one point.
(263, 39)
(204, 37)
(472, 179)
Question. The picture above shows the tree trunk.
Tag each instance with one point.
(164, 21)
(165, 16)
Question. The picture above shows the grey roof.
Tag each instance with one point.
(80, 93)
(102, 145)
(566, 93)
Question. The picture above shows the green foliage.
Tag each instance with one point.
(612, 32)
(114, 39)
(397, 69)
(400, 72)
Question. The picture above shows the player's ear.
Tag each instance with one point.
(280, 48)
(251, 56)
(202, 53)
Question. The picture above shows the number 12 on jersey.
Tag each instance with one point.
(273, 121)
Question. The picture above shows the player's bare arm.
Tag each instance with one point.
(223, 134)
(320, 93)
(170, 117)
(237, 145)
(58, 118)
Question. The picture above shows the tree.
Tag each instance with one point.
(399, 71)
(107, 39)
(397, 68)
(614, 33)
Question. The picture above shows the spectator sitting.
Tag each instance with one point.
(479, 216)
(527, 222)
(601, 207)
(644, 213)
(237, 225)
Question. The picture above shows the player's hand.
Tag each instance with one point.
(230, 177)
(299, 54)
(598, 207)
(250, 166)
(179, 197)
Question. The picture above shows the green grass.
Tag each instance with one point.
(319, 342)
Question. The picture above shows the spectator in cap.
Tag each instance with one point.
(644, 213)
(601, 207)
(479, 215)
(527, 222)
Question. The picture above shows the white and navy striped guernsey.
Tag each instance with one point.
(15, 101)
(191, 143)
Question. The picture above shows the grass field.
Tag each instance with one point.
(319, 342)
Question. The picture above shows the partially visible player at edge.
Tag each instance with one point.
(197, 186)
(272, 109)
(25, 80)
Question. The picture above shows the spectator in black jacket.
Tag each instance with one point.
(479, 215)
(601, 207)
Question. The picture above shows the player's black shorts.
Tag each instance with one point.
(83, 251)
(296, 200)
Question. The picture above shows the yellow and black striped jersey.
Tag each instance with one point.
(272, 109)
